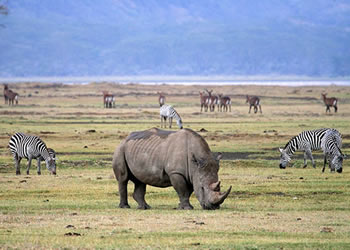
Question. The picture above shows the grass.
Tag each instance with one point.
(267, 208)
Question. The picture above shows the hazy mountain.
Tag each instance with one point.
(179, 37)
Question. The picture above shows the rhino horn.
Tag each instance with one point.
(220, 197)
(215, 186)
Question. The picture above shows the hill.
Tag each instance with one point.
(137, 37)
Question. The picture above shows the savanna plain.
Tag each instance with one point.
(268, 208)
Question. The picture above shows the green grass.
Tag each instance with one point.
(268, 208)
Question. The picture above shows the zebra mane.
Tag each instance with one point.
(290, 141)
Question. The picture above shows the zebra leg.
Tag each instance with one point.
(39, 168)
(17, 164)
(29, 164)
(311, 158)
(170, 121)
(139, 195)
(324, 163)
(305, 160)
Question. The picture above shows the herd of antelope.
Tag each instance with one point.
(208, 101)
(223, 103)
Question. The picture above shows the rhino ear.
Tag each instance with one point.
(219, 157)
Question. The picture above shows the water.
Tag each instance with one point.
(188, 80)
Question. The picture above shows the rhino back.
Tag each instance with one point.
(148, 153)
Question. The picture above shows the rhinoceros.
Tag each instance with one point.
(161, 158)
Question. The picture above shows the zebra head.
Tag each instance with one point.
(337, 161)
(179, 123)
(51, 165)
(51, 161)
(284, 159)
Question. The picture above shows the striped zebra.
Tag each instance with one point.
(327, 139)
(31, 147)
(167, 111)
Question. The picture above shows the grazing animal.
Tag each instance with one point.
(167, 111)
(52, 154)
(327, 139)
(109, 101)
(211, 100)
(254, 101)
(225, 103)
(161, 99)
(30, 147)
(6, 89)
(12, 97)
(162, 158)
(330, 102)
(204, 100)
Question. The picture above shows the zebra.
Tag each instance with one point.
(327, 139)
(167, 111)
(30, 147)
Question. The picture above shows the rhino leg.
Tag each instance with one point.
(139, 195)
(183, 190)
(123, 192)
(121, 174)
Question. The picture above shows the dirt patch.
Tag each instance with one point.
(6, 112)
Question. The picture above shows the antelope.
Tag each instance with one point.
(254, 101)
(212, 100)
(224, 103)
(161, 99)
(6, 89)
(108, 100)
(330, 102)
(12, 96)
(204, 101)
